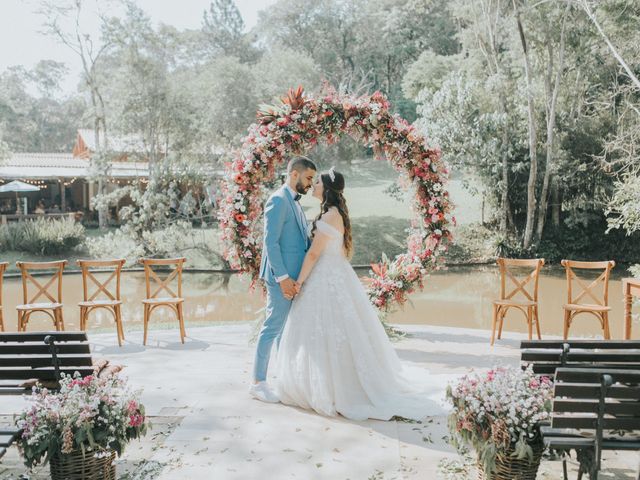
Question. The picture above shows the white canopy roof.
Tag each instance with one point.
(52, 166)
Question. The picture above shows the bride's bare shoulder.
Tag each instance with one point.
(333, 218)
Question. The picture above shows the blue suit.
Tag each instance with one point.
(284, 246)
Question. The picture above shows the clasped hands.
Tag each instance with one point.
(290, 288)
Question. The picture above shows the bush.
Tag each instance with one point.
(590, 243)
(42, 236)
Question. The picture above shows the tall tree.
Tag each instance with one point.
(89, 50)
(552, 85)
(224, 31)
(533, 132)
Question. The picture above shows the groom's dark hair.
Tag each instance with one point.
(301, 165)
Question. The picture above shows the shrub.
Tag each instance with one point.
(42, 236)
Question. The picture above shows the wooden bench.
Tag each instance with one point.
(547, 355)
(42, 356)
(594, 410)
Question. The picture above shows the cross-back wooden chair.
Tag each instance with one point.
(594, 305)
(3, 267)
(102, 296)
(156, 285)
(52, 307)
(518, 293)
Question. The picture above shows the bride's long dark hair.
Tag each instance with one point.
(332, 197)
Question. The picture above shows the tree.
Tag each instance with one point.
(4, 149)
(89, 51)
(552, 85)
(533, 134)
(586, 6)
(41, 122)
(223, 31)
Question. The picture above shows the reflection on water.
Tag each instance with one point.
(458, 297)
(463, 296)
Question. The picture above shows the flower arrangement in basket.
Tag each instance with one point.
(82, 426)
(499, 413)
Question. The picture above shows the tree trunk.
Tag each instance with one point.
(555, 202)
(491, 50)
(63, 196)
(533, 153)
(552, 100)
(504, 197)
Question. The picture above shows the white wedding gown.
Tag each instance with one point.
(334, 356)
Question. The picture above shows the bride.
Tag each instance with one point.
(334, 356)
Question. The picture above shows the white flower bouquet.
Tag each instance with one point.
(499, 413)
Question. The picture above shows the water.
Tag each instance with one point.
(458, 297)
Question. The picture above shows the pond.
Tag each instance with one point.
(457, 297)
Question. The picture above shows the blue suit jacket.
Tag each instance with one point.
(285, 237)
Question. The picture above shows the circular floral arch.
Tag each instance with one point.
(294, 128)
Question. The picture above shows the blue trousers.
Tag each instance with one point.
(276, 316)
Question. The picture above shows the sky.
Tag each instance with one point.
(24, 44)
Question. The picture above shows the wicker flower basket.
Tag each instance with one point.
(512, 468)
(83, 466)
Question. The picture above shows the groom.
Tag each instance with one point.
(285, 243)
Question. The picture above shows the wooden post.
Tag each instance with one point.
(91, 184)
(63, 200)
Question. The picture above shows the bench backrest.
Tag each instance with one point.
(589, 399)
(25, 356)
(605, 402)
(547, 355)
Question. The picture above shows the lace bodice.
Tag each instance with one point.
(336, 242)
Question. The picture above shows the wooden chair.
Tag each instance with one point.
(527, 305)
(599, 308)
(53, 308)
(3, 267)
(112, 302)
(173, 301)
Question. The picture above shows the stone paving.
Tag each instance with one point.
(208, 427)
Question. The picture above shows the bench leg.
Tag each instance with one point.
(565, 474)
